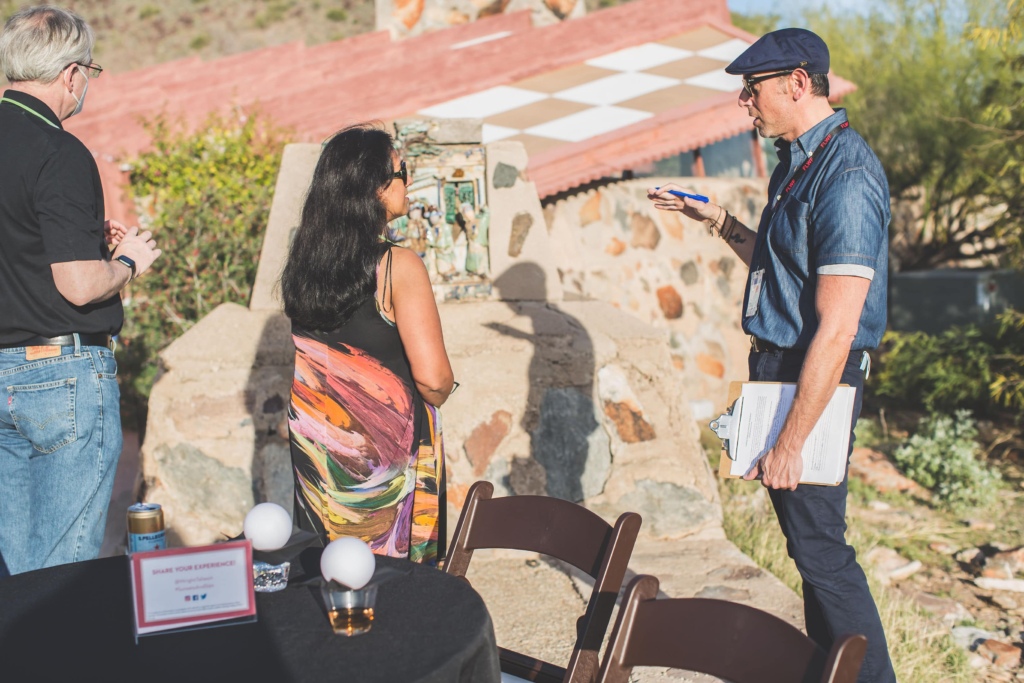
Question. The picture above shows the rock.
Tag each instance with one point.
(889, 566)
(999, 653)
(521, 224)
(1004, 602)
(976, 661)
(689, 272)
(969, 637)
(645, 232)
(667, 509)
(1010, 562)
(723, 593)
(980, 524)
(485, 439)
(615, 247)
(970, 556)
(505, 175)
(590, 212)
(622, 407)
(670, 302)
(629, 422)
(947, 609)
(879, 506)
(560, 8)
(874, 469)
(673, 226)
(710, 366)
(527, 477)
(574, 451)
(1012, 585)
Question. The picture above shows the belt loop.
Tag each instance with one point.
(78, 343)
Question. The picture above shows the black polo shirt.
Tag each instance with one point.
(51, 211)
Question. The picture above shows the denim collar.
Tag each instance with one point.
(810, 139)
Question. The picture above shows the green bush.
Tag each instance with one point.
(962, 368)
(943, 457)
(206, 196)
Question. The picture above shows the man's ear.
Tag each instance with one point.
(68, 77)
(801, 82)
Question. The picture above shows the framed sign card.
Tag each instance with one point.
(181, 588)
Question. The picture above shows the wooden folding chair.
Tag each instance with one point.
(724, 639)
(562, 530)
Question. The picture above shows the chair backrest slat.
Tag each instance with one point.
(542, 525)
(562, 530)
(724, 639)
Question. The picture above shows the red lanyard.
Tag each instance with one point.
(807, 164)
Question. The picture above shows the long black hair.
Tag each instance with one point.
(332, 263)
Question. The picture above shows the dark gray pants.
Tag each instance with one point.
(813, 518)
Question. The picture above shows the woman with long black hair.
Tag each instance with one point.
(370, 362)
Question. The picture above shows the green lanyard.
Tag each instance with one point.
(30, 111)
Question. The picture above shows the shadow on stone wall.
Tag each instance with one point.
(217, 439)
(559, 415)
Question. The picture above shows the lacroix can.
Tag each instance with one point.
(146, 527)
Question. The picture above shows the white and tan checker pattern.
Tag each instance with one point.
(603, 94)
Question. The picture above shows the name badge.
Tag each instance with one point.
(756, 280)
(178, 588)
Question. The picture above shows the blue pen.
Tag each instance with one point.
(677, 193)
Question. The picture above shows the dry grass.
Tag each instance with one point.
(921, 648)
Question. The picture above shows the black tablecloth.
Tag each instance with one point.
(73, 623)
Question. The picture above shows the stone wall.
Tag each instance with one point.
(576, 400)
(589, 399)
(664, 269)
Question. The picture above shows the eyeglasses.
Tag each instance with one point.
(94, 70)
(402, 173)
(749, 83)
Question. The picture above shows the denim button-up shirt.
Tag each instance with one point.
(834, 221)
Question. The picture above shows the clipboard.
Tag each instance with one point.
(751, 424)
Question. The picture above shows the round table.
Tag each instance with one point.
(73, 623)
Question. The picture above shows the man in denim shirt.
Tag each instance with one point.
(815, 303)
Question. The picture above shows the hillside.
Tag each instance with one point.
(131, 34)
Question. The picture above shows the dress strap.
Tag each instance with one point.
(388, 291)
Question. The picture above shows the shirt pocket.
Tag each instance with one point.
(44, 414)
(789, 229)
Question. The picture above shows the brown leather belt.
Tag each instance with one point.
(62, 340)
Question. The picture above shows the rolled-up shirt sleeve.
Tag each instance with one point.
(850, 225)
(70, 219)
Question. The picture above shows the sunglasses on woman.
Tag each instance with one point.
(402, 173)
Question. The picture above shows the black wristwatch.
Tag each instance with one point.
(125, 261)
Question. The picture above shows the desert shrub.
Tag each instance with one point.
(205, 194)
(962, 368)
(943, 457)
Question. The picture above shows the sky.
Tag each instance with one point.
(790, 8)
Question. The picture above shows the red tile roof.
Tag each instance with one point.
(317, 90)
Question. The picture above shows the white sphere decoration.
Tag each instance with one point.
(348, 561)
(268, 526)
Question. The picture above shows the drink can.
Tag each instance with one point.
(146, 527)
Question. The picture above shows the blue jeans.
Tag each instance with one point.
(813, 518)
(60, 440)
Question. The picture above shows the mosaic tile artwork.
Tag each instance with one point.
(448, 221)
(603, 94)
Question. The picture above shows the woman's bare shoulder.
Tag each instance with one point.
(405, 261)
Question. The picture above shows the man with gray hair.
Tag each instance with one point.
(60, 284)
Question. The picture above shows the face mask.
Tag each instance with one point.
(79, 101)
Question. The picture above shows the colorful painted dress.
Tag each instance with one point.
(366, 448)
